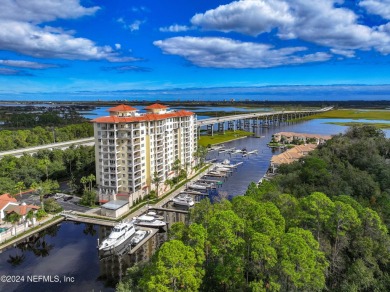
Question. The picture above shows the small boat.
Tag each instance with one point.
(138, 236)
(197, 187)
(149, 221)
(154, 214)
(222, 169)
(119, 234)
(184, 200)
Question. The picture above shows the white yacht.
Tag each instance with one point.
(138, 236)
(119, 234)
(154, 214)
(197, 187)
(184, 200)
(149, 221)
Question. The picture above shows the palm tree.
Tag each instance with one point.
(20, 186)
(156, 181)
(200, 154)
(37, 188)
(84, 180)
(177, 166)
(91, 178)
(187, 165)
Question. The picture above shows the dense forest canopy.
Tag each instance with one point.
(72, 163)
(48, 117)
(15, 139)
(26, 129)
(320, 225)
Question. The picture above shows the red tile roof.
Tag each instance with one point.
(20, 209)
(122, 108)
(5, 199)
(156, 106)
(143, 118)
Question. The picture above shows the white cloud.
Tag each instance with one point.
(248, 17)
(135, 25)
(345, 53)
(118, 46)
(38, 11)
(319, 22)
(227, 53)
(26, 64)
(20, 30)
(378, 7)
(32, 40)
(175, 28)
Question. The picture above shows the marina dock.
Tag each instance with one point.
(71, 216)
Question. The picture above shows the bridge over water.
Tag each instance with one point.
(233, 122)
(254, 120)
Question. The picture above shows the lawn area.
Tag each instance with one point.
(352, 114)
(220, 138)
(377, 125)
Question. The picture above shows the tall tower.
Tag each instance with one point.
(131, 147)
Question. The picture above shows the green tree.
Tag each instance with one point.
(12, 218)
(156, 181)
(200, 155)
(19, 187)
(172, 269)
(302, 264)
(176, 166)
(51, 206)
(317, 209)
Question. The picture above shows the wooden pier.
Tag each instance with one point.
(169, 210)
(83, 219)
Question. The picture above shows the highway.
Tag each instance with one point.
(61, 145)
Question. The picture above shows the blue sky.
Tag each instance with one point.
(60, 47)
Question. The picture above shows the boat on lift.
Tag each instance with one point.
(148, 221)
(138, 236)
(154, 214)
(197, 187)
(184, 200)
(119, 234)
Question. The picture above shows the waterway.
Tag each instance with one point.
(69, 249)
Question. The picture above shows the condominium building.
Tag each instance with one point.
(132, 147)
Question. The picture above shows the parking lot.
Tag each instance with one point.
(68, 205)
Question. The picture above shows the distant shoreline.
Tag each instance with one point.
(359, 104)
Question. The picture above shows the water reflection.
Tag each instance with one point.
(113, 265)
(60, 250)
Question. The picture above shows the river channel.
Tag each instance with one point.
(69, 249)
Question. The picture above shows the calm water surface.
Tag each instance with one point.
(68, 249)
